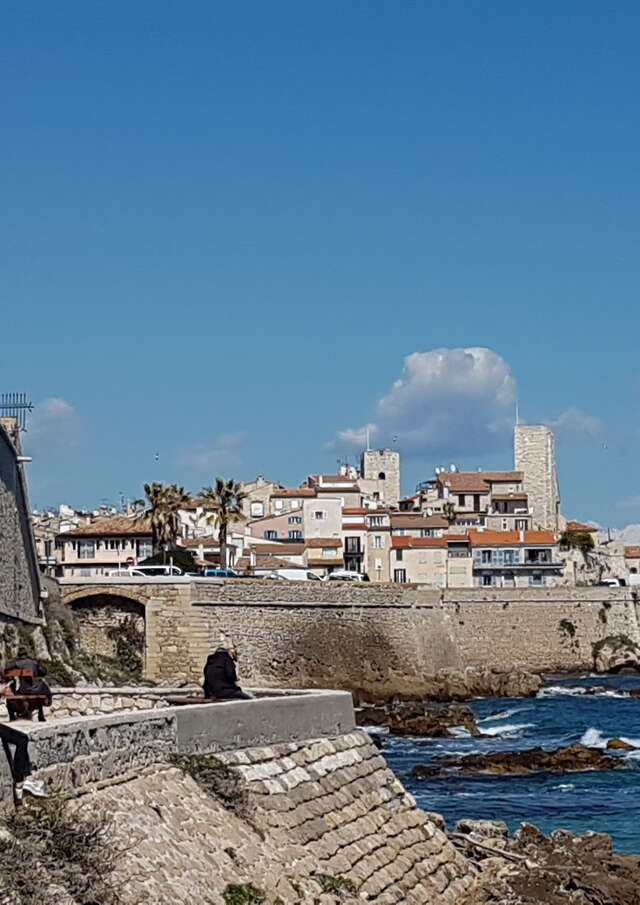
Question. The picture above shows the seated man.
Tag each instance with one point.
(27, 685)
(220, 677)
(19, 762)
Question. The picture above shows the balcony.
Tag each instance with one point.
(459, 554)
(515, 566)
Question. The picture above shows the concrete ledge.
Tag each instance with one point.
(263, 721)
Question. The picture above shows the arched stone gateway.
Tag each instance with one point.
(112, 626)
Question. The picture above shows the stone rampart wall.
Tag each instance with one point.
(367, 637)
(19, 581)
(318, 805)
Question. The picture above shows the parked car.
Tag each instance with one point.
(293, 575)
(346, 575)
(146, 571)
(220, 573)
(613, 583)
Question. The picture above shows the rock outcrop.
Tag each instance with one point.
(616, 652)
(435, 720)
(464, 684)
(533, 869)
(570, 758)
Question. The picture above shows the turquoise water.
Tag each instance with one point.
(608, 802)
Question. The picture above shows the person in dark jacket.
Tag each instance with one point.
(29, 684)
(220, 676)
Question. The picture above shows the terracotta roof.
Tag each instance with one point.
(266, 562)
(632, 552)
(476, 481)
(510, 538)
(334, 561)
(331, 478)
(407, 499)
(350, 526)
(323, 542)
(294, 492)
(580, 526)
(354, 510)
(344, 488)
(509, 496)
(112, 525)
(277, 548)
(200, 542)
(404, 540)
(417, 520)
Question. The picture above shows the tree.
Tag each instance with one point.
(449, 512)
(163, 512)
(180, 556)
(226, 498)
(577, 540)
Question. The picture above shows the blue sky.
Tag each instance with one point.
(226, 226)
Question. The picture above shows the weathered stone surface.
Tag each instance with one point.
(412, 718)
(570, 758)
(619, 743)
(616, 652)
(556, 870)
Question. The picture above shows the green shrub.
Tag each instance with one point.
(47, 849)
(129, 642)
(243, 894)
(335, 885)
(216, 778)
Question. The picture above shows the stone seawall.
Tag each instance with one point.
(378, 638)
(320, 805)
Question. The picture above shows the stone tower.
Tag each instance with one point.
(535, 455)
(383, 466)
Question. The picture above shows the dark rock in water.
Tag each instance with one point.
(376, 740)
(424, 771)
(570, 758)
(371, 716)
(435, 720)
(599, 689)
(425, 743)
(620, 743)
(634, 692)
(557, 870)
(616, 653)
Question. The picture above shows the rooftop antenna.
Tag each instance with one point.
(368, 438)
(517, 413)
(16, 405)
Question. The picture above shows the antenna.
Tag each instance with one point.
(368, 432)
(517, 413)
(16, 405)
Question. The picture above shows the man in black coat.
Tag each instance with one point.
(34, 684)
(220, 676)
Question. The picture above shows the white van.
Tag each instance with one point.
(146, 571)
(293, 575)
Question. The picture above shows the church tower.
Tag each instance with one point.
(383, 466)
(535, 455)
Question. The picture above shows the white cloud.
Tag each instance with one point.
(223, 453)
(447, 402)
(53, 426)
(575, 426)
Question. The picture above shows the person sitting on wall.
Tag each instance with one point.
(220, 676)
(27, 685)
(19, 762)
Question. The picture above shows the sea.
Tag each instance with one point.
(562, 713)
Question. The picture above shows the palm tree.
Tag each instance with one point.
(163, 512)
(226, 498)
(449, 512)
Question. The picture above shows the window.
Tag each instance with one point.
(423, 557)
(329, 551)
(257, 510)
(461, 499)
(278, 505)
(399, 554)
(86, 549)
(400, 531)
(295, 504)
(510, 556)
(352, 545)
(376, 521)
(270, 535)
(319, 514)
(86, 573)
(400, 576)
(145, 549)
(295, 535)
(295, 519)
(505, 524)
(377, 542)
(521, 524)
(486, 581)
(426, 532)
(537, 578)
(486, 556)
(382, 476)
